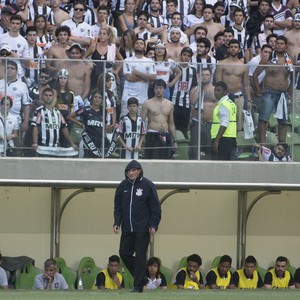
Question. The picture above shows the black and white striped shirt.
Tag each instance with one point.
(131, 131)
(182, 88)
(49, 123)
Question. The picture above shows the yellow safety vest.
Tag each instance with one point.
(247, 283)
(231, 129)
(222, 282)
(190, 284)
(109, 283)
(280, 283)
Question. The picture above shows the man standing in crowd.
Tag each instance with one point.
(138, 71)
(207, 105)
(161, 134)
(47, 123)
(276, 84)
(185, 90)
(235, 75)
(223, 129)
(137, 210)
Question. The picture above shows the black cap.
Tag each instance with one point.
(8, 10)
(187, 50)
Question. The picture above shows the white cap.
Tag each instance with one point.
(63, 73)
(296, 17)
(5, 47)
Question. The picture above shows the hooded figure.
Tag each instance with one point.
(137, 210)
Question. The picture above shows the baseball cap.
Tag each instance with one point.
(187, 50)
(75, 45)
(5, 47)
(8, 10)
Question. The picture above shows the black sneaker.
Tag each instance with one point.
(137, 290)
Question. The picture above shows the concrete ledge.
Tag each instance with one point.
(166, 174)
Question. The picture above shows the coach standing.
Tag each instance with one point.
(137, 208)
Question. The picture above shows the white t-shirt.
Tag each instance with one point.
(137, 89)
(16, 44)
(83, 29)
(18, 91)
(11, 125)
(164, 68)
(3, 278)
(190, 20)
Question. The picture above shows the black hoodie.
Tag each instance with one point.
(137, 206)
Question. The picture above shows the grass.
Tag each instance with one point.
(154, 294)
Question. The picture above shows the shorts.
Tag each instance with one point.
(182, 118)
(269, 101)
(158, 145)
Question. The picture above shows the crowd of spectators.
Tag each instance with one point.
(118, 49)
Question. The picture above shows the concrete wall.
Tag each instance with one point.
(201, 221)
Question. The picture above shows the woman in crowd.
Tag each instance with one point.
(128, 39)
(166, 69)
(91, 120)
(127, 19)
(9, 127)
(104, 50)
(44, 38)
(65, 100)
(110, 103)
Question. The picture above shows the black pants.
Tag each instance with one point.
(135, 242)
(227, 149)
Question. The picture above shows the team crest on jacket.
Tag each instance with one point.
(139, 192)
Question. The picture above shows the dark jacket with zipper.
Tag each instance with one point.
(137, 206)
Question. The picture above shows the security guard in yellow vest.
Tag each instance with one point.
(247, 277)
(110, 278)
(223, 129)
(190, 276)
(220, 277)
(279, 277)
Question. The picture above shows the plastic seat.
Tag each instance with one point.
(69, 274)
(25, 277)
(128, 279)
(291, 138)
(261, 271)
(245, 146)
(167, 272)
(273, 123)
(216, 261)
(87, 272)
(295, 120)
(271, 140)
(291, 268)
(182, 146)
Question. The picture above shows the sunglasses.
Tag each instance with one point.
(44, 77)
(79, 9)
